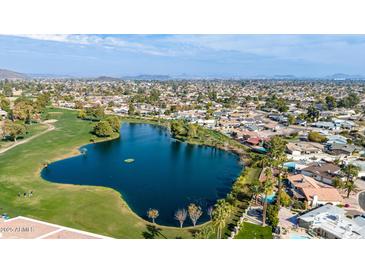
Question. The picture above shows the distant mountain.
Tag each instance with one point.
(285, 76)
(344, 76)
(49, 76)
(107, 79)
(12, 75)
(147, 77)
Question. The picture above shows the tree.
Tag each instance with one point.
(152, 214)
(284, 199)
(13, 130)
(256, 189)
(178, 128)
(221, 212)
(314, 136)
(351, 172)
(273, 215)
(4, 104)
(81, 114)
(195, 213)
(180, 215)
(95, 113)
(23, 110)
(267, 187)
(312, 114)
(192, 130)
(131, 109)
(331, 102)
(103, 129)
(114, 122)
(291, 119)
(205, 233)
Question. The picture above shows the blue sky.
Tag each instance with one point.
(194, 55)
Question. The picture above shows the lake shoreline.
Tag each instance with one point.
(76, 152)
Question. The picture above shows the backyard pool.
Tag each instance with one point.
(299, 237)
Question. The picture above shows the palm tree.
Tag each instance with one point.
(350, 187)
(256, 189)
(268, 186)
(181, 215)
(351, 172)
(152, 214)
(220, 214)
(282, 175)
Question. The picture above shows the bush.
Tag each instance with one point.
(273, 215)
(316, 137)
(298, 205)
(285, 199)
(103, 129)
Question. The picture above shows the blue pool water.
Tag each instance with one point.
(298, 237)
(270, 198)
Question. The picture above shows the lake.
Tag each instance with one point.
(167, 174)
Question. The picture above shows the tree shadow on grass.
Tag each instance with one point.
(152, 232)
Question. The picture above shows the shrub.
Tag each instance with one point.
(273, 215)
(285, 199)
(316, 137)
(103, 129)
(298, 205)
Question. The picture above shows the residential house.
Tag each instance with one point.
(300, 148)
(314, 193)
(331, 222)
(323, 172)
(340, 149)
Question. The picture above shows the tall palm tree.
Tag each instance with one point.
(351, 172)
(268, 187)
(256, 190)
(220, 214)
(282, 175)
(152, 214)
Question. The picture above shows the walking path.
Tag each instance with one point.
(50, 128)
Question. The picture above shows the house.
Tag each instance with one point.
(323, 172)
(340, 149)
(361, 165)
(339, 139)
(330, 222)
(254, 141)
(314, 193)
(325, 125)
(300, 148)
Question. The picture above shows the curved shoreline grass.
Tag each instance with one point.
(92, 208)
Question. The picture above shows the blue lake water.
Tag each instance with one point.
(166, 174)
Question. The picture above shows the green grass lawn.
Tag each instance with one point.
(95, 209)
(252, 231)
(31, 131)
(243, 181)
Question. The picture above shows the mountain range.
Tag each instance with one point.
(13, 75)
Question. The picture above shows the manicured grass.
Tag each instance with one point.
(252, 231)
(32, 130)
(249, 175)
(95, 209)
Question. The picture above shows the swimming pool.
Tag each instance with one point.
(298, 237)
(270, 198)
